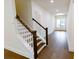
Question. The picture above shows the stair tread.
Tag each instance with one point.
(39, 46)
(37, 36)
(38, 41)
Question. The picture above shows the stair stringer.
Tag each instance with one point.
(43, 40)
(27, 46)
(20, 48)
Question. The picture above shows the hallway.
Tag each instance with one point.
(57, 48)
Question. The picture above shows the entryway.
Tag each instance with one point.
(60, 22)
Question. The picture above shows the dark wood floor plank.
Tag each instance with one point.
(57, 47)
(11, 55)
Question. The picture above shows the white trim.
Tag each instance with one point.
(39, 43)
(71, 50)
(18, 52)
(41, 49)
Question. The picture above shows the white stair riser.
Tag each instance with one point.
(41, 49)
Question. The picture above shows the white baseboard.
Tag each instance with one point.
(18, 52)
(71, 50)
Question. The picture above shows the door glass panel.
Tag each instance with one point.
(58, 23)
(62, 24)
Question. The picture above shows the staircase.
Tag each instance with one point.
(29, 37)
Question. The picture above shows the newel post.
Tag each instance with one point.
(46, 36)
(35, 44)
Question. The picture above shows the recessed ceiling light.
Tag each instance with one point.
(51, 1)
(59, 14)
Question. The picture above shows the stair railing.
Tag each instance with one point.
(34, 33)
(46, 30)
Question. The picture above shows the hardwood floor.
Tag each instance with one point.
(11, 55)
(57, 47)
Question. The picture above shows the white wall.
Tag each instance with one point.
(24, 10)
(43, 16)
(70, 27)
(11, 40)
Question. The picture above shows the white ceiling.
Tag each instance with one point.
(61, 5)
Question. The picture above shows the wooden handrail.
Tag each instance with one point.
(38, 23)
(46, 29)
(34, 36)
(18, 18)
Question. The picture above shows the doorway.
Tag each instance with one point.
(60, 23)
